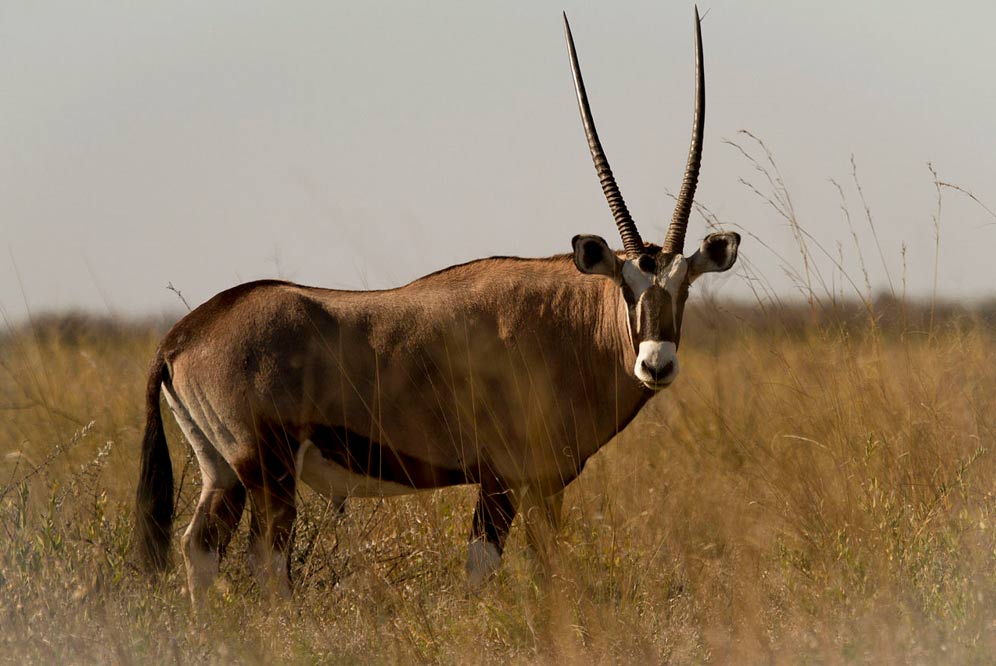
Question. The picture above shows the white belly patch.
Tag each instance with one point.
(333, 480)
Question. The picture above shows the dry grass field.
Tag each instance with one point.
(831, 500)
(818, 487)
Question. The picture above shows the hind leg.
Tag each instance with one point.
(270, 547)
(218, 509)
(215, 519)
(272, 485)
(270, 540)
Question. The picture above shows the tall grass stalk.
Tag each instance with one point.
(817, 488)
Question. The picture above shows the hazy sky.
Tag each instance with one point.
(364, 144)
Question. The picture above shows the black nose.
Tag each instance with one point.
(657, 374)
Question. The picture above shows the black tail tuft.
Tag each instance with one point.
(154, 499)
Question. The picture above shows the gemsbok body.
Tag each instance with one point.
(507, 373)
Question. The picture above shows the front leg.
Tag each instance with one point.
(541, 512)
(492, 520)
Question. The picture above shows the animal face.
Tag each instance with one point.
(655, 286)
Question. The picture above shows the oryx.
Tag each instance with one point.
(504, 372)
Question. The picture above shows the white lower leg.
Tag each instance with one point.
(269, 567)
(483, 560)
(202, 568)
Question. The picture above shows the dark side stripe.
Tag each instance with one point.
(363, 455)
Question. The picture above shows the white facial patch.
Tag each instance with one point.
(675, 278)
(656, 363)
(637, 280)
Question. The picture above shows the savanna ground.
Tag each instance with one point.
(818, 487)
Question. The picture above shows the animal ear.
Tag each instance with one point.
(718, 253)
(593, 256)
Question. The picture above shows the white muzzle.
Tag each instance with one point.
(656, 363)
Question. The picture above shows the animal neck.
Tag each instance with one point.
(592, 312)
(578, 324)
(616, 335)
(616, 324)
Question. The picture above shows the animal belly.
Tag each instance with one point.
(335, 481)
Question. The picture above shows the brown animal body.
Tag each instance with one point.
(503, 372)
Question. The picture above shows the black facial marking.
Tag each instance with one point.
(646, 263)
(656, 319)
(628, 295)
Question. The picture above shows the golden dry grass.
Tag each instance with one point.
(817, 488)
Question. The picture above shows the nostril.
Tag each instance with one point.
(658, 374)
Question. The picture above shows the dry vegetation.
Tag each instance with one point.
(817, 488)
(830, 500)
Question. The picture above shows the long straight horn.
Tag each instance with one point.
(627, 228)
(675, 240)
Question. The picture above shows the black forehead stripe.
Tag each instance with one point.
(657, 315)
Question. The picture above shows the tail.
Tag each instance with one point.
(154, 499)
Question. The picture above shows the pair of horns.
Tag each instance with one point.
(675, 239)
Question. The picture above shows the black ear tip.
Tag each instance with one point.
(736, 236)
(574, 241)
